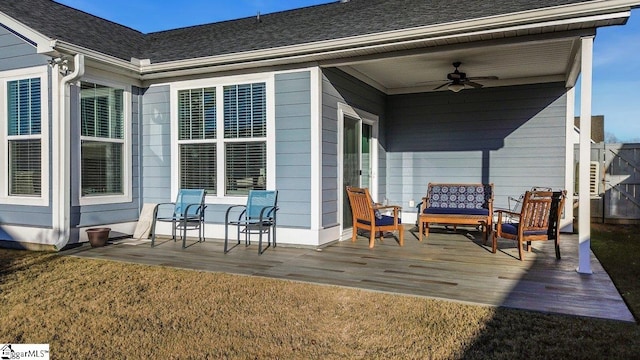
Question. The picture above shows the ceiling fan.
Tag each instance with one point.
(458, 80)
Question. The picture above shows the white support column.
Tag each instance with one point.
(584, 213)
(570, 168)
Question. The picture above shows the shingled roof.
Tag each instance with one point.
(306, 25)
(61, 22)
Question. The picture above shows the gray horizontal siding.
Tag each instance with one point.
(25, 215)
(293, 148)
(339, 87)
(156, 145)
(513, 137)
(15, 53)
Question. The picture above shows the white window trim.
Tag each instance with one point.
(126, 153)
(21, 74)
(219, 83)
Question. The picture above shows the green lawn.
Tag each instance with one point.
(617, 247)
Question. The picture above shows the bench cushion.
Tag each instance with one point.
(512, 228)
(456, 211)
(383, 221)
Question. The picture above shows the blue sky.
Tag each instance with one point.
(616, 72)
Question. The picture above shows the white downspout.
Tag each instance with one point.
(584, 207)
(61, 150)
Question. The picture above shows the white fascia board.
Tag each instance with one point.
(561, 15)
(129, 67)
(40, 41)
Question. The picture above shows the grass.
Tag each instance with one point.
(100, 309)
(617, 247)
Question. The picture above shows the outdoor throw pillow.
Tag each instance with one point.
(376, 212)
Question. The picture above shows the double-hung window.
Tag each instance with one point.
(24, 139)
(103, 149)
(222, 138)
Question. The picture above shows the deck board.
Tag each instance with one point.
(447, 265)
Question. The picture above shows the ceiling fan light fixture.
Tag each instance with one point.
(455, 87)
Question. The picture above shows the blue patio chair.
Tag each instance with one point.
(187, 213)
(258, 216)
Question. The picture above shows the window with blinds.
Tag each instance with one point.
(198, 167)
(245, 111)
(102, 140)
(24, 137)
(245, 167)
(245, 118)
(197, 114)
(242, 138)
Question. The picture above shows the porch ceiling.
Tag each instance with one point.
(536, 54)
(534, 61)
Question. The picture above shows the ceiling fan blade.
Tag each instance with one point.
(473, 84)
(441, 86)
(483, 78)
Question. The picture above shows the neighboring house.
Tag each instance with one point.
(597, 129)
(98, 119)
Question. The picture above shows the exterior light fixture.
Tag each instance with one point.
(455, 87)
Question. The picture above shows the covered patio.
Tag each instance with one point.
(448, 265)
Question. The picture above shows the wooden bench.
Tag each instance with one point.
(457, 204)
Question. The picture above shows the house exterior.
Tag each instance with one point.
(99, 119)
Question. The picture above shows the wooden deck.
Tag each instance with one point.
(447, 265)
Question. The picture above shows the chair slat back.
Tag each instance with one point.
(258, 200)
(186, 197)
(361, 203)
(541, 210)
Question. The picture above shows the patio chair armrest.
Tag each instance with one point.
(272, 209)
(505, 213)
(199, 211)
(226, 215)
(383, 207)
(158, 206)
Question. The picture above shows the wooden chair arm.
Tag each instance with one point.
(507, 212)
(383, 207)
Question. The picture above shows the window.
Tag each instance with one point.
(197, 135)
(102, 135)
(24, 119)
(237, 131)
(24, 137)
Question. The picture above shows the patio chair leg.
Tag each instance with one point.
(520, 250)
(273, 227)
(494, 243)
(226, 236)
(372, 239)
(184, 233)
(401, 233)
(153, 230)
(557, 244)
(173, 230)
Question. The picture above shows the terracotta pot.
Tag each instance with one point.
(98, 236)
